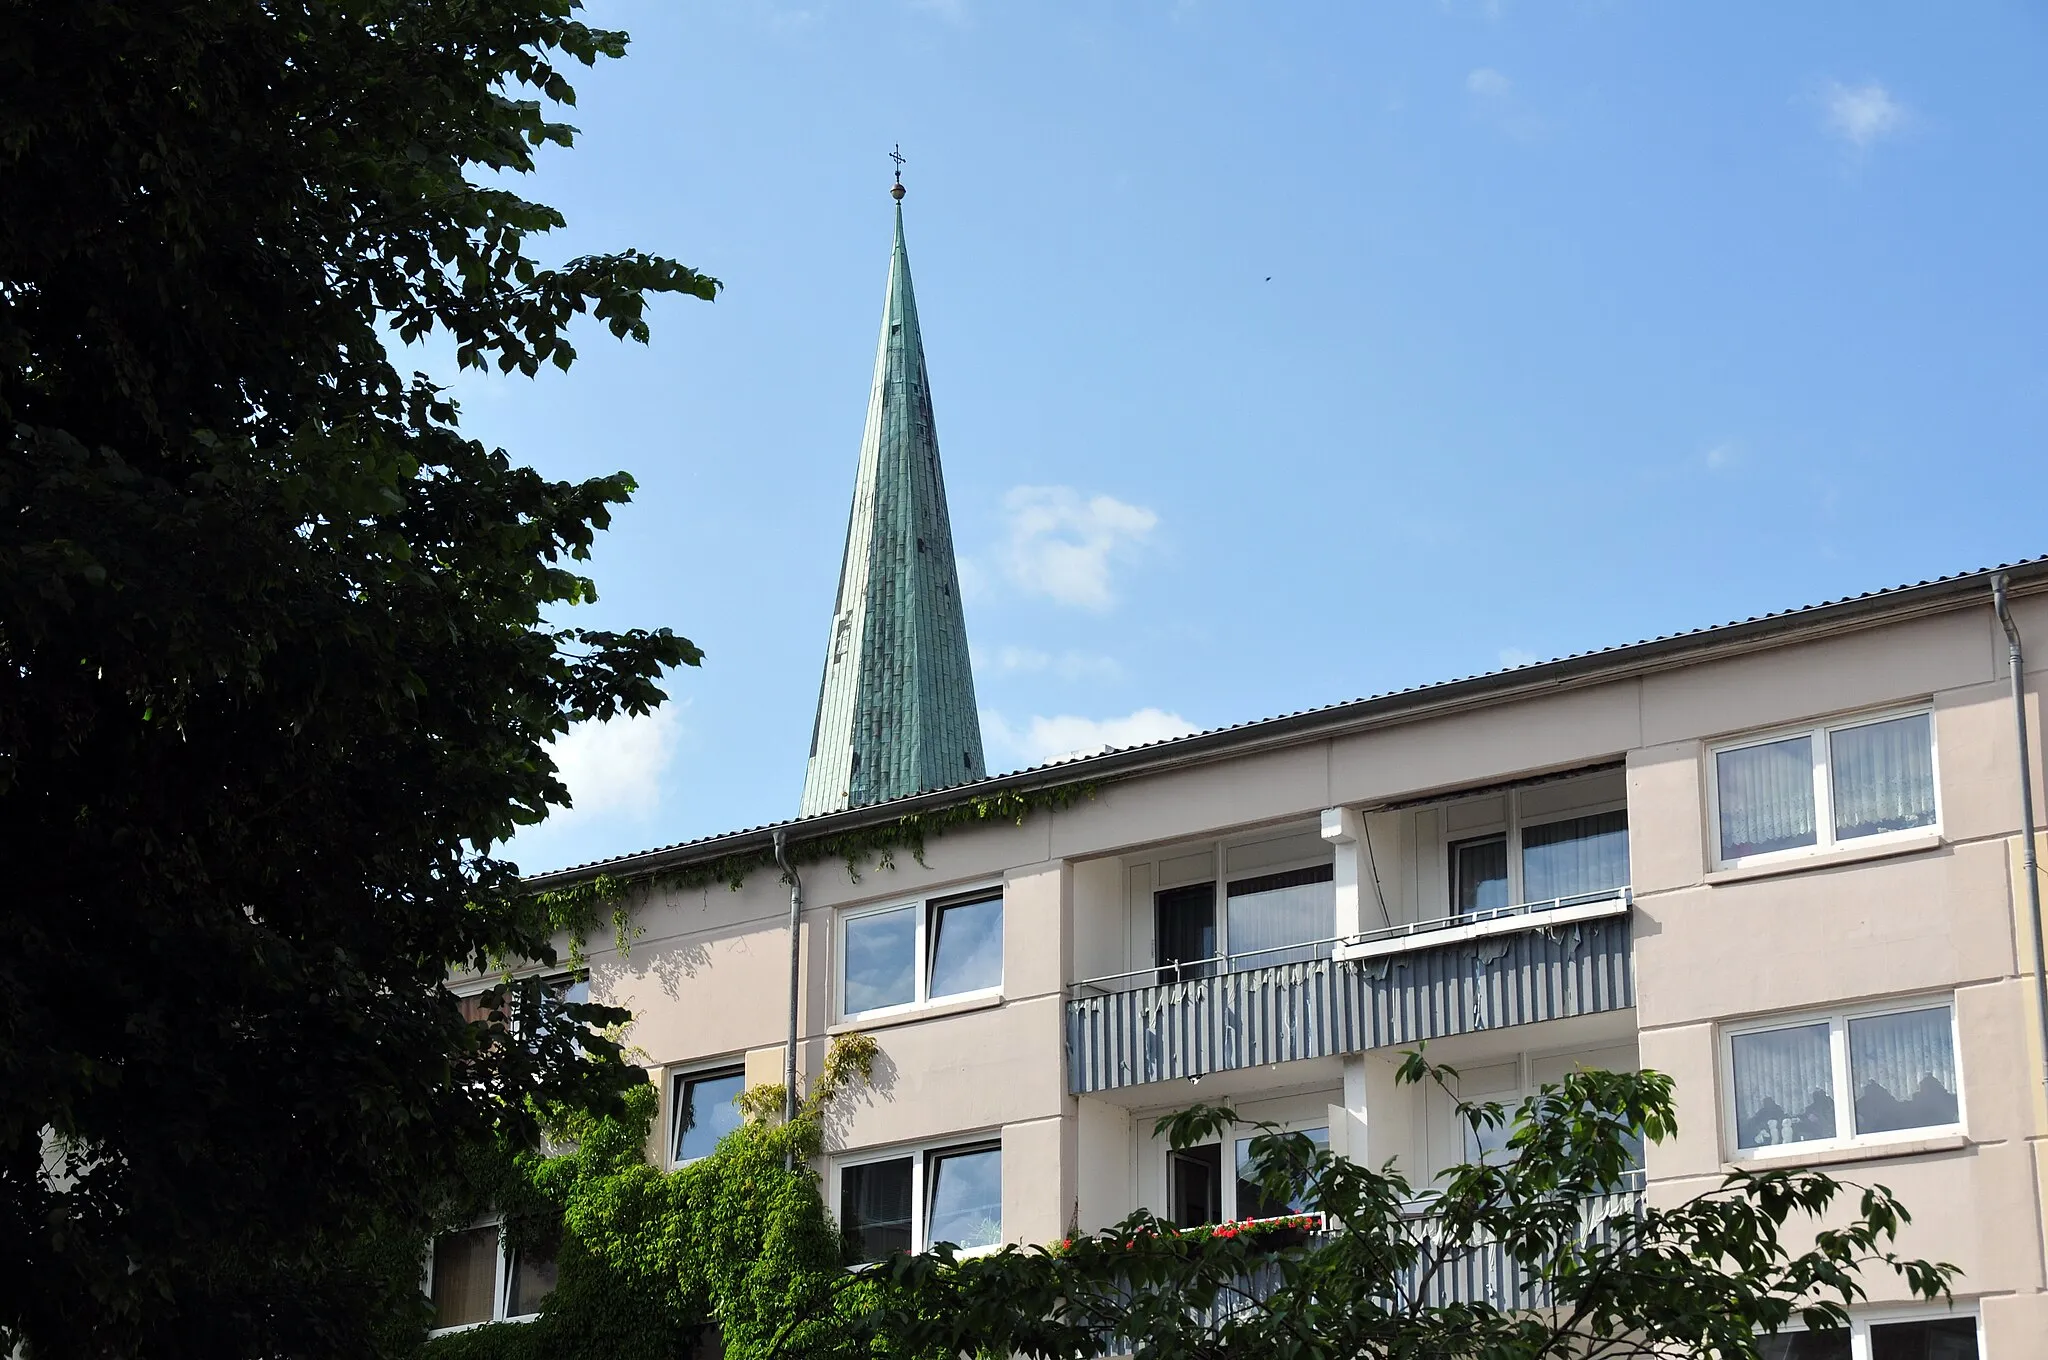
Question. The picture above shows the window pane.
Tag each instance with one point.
(705, 1112)
(1784, 1086)
(1949, 1338)
(1195, 1185)
(1273, 911)
(1186, 930)
(967, 1198)
(1766, 795)
(465, 1276)
(881, 960)
(533, 1279)
(1489, 1143)
(1583, 856)
(874, 1208)
(1251, 1197)
(1804, 1346)
(967, 947)
(1479, 875)
(1902, 1069)
(1882, 776)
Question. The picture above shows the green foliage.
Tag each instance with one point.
(277, 660)
(1703, 1277)
(576, 907)
(648, 1259)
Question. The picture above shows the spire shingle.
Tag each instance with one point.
(896, 711)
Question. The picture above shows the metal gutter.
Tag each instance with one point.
(1812, 623)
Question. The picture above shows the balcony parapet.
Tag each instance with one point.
(1514, 966)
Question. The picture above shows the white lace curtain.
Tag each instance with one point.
(1883, 776)
(1766, 795)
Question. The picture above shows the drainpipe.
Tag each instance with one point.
(2016, 664)
(796, 911)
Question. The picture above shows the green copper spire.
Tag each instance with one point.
(896, 709)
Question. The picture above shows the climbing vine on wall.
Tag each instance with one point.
(650, 1260)
(579, 906)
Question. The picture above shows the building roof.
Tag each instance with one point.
(896, 712)
(1806, 622)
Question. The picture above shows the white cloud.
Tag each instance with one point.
(1494, 101)
(1067, 736)
(1488, 83)
(1512, 657)
(615, 768)
(1721, 457)
(1031, 661)
(1062, 545)
(1862, 115)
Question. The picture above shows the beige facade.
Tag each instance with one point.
(1720, 960)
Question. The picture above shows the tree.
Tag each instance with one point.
(277, 664)
(1374, 1279)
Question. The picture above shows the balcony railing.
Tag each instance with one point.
(1399, 985)
(1476, 1272)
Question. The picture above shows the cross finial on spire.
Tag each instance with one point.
(896, 190)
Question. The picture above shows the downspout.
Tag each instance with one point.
(796, 911)
(2016, 664)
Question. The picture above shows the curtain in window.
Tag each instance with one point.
(1274, 911)
(1883, 776)
(1902, 1069)
(1185, 926)
(1766, 796)
(874, 1208)
(967, 1198)
(1784, 1086)
(465, 1276)
(1479, 875)
(1580, 857)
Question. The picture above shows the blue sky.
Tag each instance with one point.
(1286, 353)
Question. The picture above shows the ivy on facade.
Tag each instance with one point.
(737, 1248)
(580, 906)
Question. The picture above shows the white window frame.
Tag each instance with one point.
(501, 1280)
(1226, 1145)
(1818, 733)
(921, 1156)
(678, 1078)
(926, 908)
(1837, 1019)
(1510, 830)
(1860, 1323)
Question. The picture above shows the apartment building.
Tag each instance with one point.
(1777, 860)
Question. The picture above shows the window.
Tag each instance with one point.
(1269, 918)
(1548, 844)
(919, 952)
(1280, 918)
(1942, 1337)
(1844, 1079)
(475, 1276)
(1479, 875)
(1197, 1192)
(1185, 931)
(704, 1111)
(1808, 791)
(910, 1201)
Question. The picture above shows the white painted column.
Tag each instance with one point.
(1341, 828)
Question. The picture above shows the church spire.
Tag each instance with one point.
(896, 710)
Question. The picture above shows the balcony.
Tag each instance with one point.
(1385, 988)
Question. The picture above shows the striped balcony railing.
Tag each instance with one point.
(1517, 966)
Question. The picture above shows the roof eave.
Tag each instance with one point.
(1358, 715)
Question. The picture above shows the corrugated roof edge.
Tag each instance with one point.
(1894, 603)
